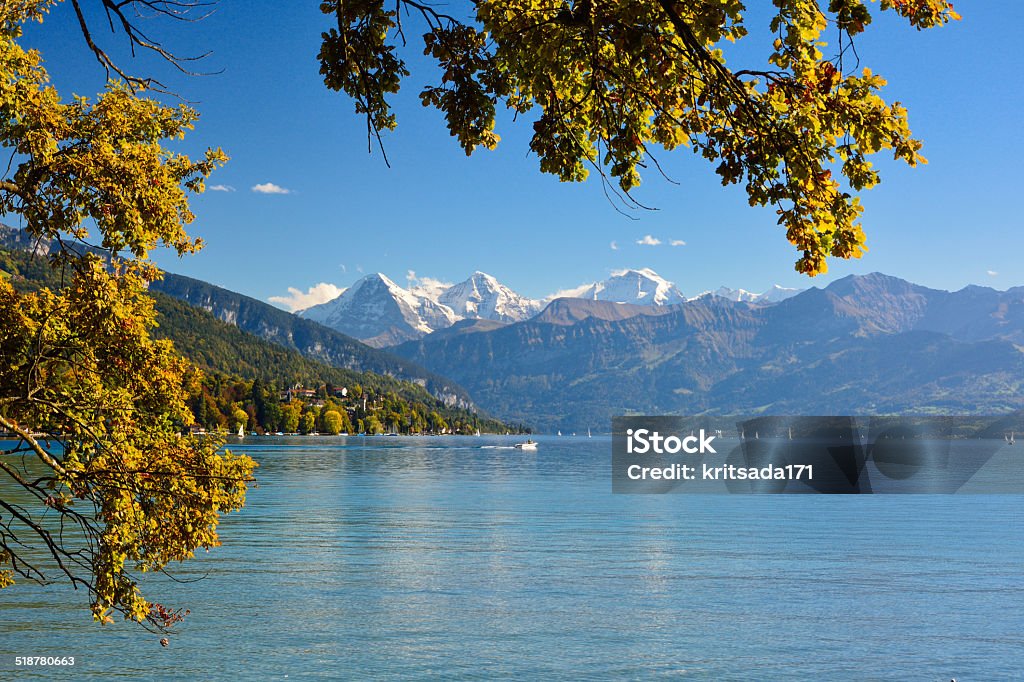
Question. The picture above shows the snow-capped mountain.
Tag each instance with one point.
(773, 295)
(639, 287)
(381, 313)
(777, 294)
(483, 297)
(739, 295)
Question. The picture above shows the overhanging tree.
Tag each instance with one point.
(613, 78)
(98, 484)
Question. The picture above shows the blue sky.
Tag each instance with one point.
(443, 215)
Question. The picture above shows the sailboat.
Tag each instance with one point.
(559, 433)
(1009, 439)
(241, 430)
(588, 433)
(791, 433)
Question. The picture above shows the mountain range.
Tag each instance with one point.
(776, 294)
(869, 344)
(381, 313)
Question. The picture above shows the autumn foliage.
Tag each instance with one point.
(97, 483)
(608, 82)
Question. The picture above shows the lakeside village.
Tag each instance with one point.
(253, 408)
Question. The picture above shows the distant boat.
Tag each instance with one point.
(241, 431)
(559, 433)
(1009, 439)
(791, 433)
(530, 444)
(588, 433)
(478, 432)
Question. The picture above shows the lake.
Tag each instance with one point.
(462, 558)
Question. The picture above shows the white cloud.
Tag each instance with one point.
(615, 246)
(297, 300)
(677, 242)
(270, 188)
(991, 273)
(221, 188)
(646, 272)
(426, 286)
(648, 240)
(575, 292)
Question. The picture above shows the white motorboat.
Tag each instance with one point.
(528, 445)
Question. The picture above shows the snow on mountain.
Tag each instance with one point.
(484, 297)
(427, 287)
(639, 287)
(382, 313)
(773, 295)
(777, 294)
(738, 295)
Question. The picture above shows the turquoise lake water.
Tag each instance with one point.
(457, 558)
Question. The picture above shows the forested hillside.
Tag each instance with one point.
(264, 387)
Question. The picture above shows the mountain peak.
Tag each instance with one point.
(380, 312)
(640, 286)
(482, 296)
(645, 272)
(775, 294)
(378, 277)
(873, 282)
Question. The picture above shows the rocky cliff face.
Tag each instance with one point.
(19, 240)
